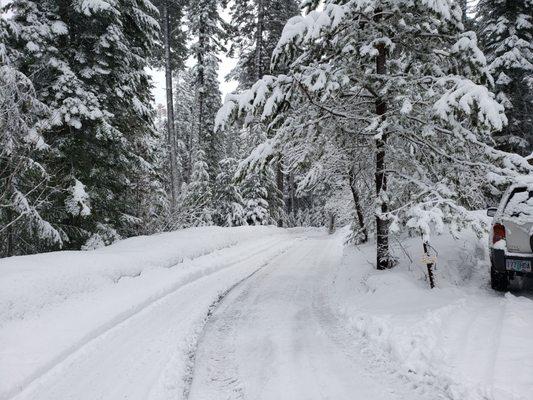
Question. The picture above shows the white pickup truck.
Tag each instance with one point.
(511, 236)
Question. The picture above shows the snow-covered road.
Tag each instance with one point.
(275, 337)
(259, 313)
(137, 348)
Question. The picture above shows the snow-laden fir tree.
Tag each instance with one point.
(153, 202)
(329, 170)
(506, 30)
(256, 27)
(24, 182)
(196, 208)
(87, 62)
(227, 198)
(402, 79)
(207, 28)
(177, 36)
(255, 198)
(171, 55)
(185, 122)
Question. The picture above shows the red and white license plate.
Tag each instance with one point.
(518, 265)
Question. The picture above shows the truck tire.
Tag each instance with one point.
(499, 281)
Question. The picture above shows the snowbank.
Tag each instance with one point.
(468, 340)
(53, 304)
(30, 283)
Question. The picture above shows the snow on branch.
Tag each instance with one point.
(266, 95)
(91, 7)
(466, 97)
(258, 158)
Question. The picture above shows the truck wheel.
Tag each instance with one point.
(499, 280)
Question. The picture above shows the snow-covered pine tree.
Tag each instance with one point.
(401, 78)
(255, 195)
(171, 55)
(125, 47)
(207, 28)
(196, 209)
(228, 202)
(185, 122)
(329, 170)
(152, 196)
(24, 182)
(87, 63)
(256, 26)
(506, 32)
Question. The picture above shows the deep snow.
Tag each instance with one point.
(461, 337)
(56, 306)
(261, 313)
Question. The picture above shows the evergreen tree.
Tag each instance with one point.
(255, 195)
(171, 55)
(401, 80)
(256, 27)
(196, 209)
(207, 28)
(87, 63)
(228, 202)
(177, 35)
(506, 30)
(24, 182)
(185, 122)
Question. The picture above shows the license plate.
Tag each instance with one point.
(519, 265)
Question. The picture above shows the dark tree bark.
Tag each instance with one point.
(201, 82)
(279, 184)
(290, 199)
(358, 208)
(383, 259)
(170, 106)
(259, 70)
(331, 223)
(10, 249)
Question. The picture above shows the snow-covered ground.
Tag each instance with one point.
(461, 337)
(261, 313)
(58, 308)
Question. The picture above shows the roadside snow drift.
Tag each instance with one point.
(471, 342)
(53, 304)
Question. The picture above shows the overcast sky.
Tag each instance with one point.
(226, 65)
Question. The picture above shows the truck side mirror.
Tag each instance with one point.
(491, 212)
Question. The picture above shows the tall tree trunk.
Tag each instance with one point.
(383, 260)
(259, 70)
(279, 184)
(170, 107)
(201, 83)
(464, 6)
(358, 208)
(10, 248)
(290, 190)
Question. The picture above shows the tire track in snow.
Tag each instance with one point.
(123, 317)
(278, 344)
(214, 306)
